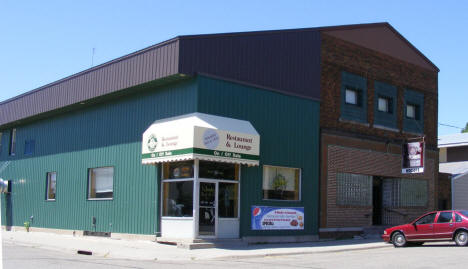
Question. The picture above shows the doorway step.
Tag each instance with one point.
(203, 243)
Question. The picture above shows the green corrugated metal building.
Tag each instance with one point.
(73, 151)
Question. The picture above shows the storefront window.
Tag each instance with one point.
(178, 199)
(281, 183)
(228, 200)
(177, 170)
(217, 170)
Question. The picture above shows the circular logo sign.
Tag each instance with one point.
(152, 142)
(210, 139)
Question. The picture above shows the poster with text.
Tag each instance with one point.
(277, 218)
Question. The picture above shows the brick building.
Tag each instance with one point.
(361, 139)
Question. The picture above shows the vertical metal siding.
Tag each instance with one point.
(284, 61)
(289, 136)
(108, 134)
(119, 74)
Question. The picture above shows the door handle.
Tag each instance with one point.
(451, 224)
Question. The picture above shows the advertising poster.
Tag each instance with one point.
(413, 158)
(277, 218)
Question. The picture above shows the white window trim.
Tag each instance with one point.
(89, 185)
(300, 184)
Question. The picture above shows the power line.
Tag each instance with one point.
(448, 125)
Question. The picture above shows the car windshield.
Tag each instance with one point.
(464, 212)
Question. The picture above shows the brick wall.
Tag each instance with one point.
(360, 156)
(364, 148)
(338, 55)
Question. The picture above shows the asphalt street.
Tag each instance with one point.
(445, 255)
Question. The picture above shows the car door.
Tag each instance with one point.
(444, 226)
(423, 228)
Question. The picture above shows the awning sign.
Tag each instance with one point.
(413, 158)
(201, 136)
(277, 218)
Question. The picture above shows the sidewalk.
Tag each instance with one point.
(147, 250)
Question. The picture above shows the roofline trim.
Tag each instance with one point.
(294, 30)
(355, 26)
(94, 68)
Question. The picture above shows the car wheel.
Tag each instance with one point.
(461, 238)
(399, 240)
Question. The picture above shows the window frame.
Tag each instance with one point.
(12, 150)
(389, 104)
(415, 111)
(89, 184)
(299, 183)
(356, 96)
(48, 179)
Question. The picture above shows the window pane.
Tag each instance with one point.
(383, 104)
(354, 189)
(351, 97)
(445, 217)
(458, 218)
(428, 219)
(413, 192)
(12, 141)
(281, 183)
(178, 199)
(175, 170)
(411, 111)
(219, 170)
(101, 182)
(228, 200)
(51, 185)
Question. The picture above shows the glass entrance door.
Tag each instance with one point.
(207, 209)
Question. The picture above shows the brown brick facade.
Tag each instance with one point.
(338, 56)
(348, 147)
(358, 156)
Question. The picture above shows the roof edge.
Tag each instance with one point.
(94, 68)
(386, 24)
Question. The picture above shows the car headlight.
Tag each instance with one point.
(384, 232)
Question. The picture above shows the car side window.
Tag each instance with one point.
(458, 218)
(426, 219)
(445, 217)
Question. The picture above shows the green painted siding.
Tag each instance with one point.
(289, 136)
(107, 134)
(416, 99)
(389, 92)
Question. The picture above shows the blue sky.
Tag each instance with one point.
(43, 41)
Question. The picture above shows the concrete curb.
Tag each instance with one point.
(132, 250)
(279, 254)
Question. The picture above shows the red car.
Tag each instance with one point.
(450, 225)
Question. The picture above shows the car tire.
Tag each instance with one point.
(399, 240)
(461, 238)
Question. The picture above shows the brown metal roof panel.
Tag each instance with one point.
(286, 61)
(113, 76)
